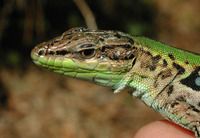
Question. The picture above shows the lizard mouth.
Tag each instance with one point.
(93, 72)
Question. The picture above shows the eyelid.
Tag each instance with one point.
(86, 46)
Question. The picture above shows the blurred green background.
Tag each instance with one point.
(37, 103)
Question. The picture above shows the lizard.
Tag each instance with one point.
(165, 78)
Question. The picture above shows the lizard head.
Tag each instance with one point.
(102, 57)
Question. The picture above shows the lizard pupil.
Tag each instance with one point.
(88, 53)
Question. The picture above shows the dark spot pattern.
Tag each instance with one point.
(134, 61)
(195, 110)
(165, 74)
(118, 35)
(101, 39)
(63, 52)
(148, 53)
(180, 69)
(191, 106)
(173, 104)
(156, 58)
(152, 67)
(131, 56)
(135, 48)
(186, 62)
(103, 49)
(196, 130)
(171, 88)
(51, 52)
(125, 46)
(131, 41)
(181, 99)
(109, 47)
(165, 64)
(171, 56)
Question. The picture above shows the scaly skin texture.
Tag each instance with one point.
(164, 78)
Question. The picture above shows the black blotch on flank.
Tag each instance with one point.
(190, 80)
(171, 56)
(134, 61)
(171, 88)
(180, 69)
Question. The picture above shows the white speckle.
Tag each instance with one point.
(197, 81)
(136, 93)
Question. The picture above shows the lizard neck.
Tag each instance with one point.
(154, 70)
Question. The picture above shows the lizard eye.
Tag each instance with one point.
(88, 53)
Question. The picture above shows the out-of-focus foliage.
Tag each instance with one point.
(25, 23)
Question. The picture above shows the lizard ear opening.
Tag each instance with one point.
(87, 53)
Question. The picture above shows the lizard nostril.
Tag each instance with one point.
(41, 52)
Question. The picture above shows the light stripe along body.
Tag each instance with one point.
(163, 77)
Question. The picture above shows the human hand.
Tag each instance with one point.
(163, 129)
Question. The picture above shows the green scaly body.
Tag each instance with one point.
(164, 78)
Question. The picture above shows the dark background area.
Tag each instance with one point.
(38, 103)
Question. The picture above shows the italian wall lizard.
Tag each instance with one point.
(163, 77)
